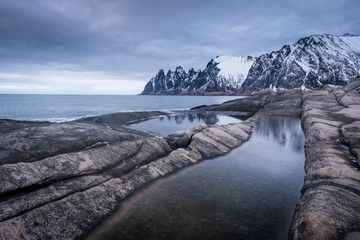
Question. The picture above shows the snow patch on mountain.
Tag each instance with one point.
(234, 68)
(352, 41)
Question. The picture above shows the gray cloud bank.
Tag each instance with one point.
(110, 46)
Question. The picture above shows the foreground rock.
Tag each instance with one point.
(330, 204)
(57, 181)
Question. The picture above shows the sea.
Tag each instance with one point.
(61, 108)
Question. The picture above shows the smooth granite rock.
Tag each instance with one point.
(330, 204)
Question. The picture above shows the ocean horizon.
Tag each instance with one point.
(67, 107)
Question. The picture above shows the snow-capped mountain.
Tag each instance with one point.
(310, 62)
(222, 75)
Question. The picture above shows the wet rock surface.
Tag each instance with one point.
(330, 204)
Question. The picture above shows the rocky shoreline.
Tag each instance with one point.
(58, 181)
(330, 204)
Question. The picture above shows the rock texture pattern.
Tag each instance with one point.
(330, 204)
(57, 181)
(308, 63)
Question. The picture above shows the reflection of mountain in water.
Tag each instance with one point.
(208, 118)
(284, 130)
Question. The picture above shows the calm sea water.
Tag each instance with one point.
(58, 108)
(250, 193)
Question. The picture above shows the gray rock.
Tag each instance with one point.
(117, 120)
(330, 201)
(249, 105)
(34, 143)
(287, 104)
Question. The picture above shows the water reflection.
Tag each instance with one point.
(250, 193)
(169, 124)
(283, 130)
(208, 118)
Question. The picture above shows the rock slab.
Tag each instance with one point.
(330, 204)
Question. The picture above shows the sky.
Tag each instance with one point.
(116, 46)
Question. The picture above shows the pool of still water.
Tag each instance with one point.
(168, 124)
(250, 193)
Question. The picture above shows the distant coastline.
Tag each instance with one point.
(61, 108)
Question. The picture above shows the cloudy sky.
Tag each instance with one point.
(116, 46)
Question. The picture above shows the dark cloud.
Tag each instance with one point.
(123, 37)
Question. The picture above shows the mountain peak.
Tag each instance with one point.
(308, 63)
(350, 35)
(311, 62)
